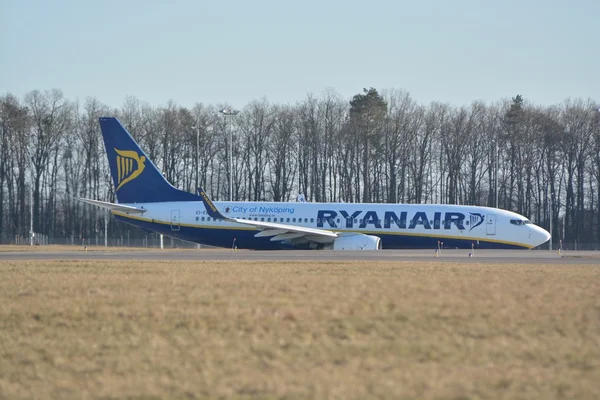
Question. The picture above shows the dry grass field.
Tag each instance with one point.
(117, 329)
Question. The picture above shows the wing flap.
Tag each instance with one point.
(287, 236)
(270, 232)
(284, 227)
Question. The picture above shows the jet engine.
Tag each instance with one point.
(357, 241)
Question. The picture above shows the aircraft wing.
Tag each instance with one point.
(286, 232)
(113, 206)
(276, 230)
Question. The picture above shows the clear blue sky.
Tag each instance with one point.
(236, 51)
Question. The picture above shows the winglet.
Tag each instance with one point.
(211, 209)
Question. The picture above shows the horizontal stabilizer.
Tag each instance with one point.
(114, 207)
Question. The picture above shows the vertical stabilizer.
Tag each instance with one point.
(136, 178)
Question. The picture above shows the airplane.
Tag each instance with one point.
(148, 201)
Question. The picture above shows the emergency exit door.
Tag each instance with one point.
(490, 224)
(174, 220)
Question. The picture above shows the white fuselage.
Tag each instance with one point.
(398, 225)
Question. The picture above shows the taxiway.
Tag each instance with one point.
(458, 256)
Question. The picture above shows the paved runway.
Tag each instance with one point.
(459, 256)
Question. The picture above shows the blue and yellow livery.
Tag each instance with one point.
(148, 201)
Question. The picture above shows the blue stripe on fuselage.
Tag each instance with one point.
(244, 238)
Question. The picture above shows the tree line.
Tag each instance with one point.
(540, 161)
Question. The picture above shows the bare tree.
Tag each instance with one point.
(595, 170)
(402, 128)
(544, 160)
(455, 133)
(281, 150)
(577, 138)
(50, 114)
(367, 114)
(256, 127)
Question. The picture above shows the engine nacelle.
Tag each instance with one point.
(357, 242)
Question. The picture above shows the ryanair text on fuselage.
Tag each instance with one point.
(420, 218)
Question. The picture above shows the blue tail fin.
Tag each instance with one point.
(136, 178)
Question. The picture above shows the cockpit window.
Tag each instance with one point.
(520, 221)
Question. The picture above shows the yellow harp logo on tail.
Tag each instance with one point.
(129, 166)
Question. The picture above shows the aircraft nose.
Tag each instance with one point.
(539, 236)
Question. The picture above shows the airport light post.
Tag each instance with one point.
(441, 178)
(550, 209)
(230, 112)
(197, 128)
(496, 156)
(31, 233)
(496, 173)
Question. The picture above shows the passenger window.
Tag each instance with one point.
(287, 220)
(294, 220)
(262, 219)
(312, 220)
(268, 219)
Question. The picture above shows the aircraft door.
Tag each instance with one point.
(175, 220)
(490, 224)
